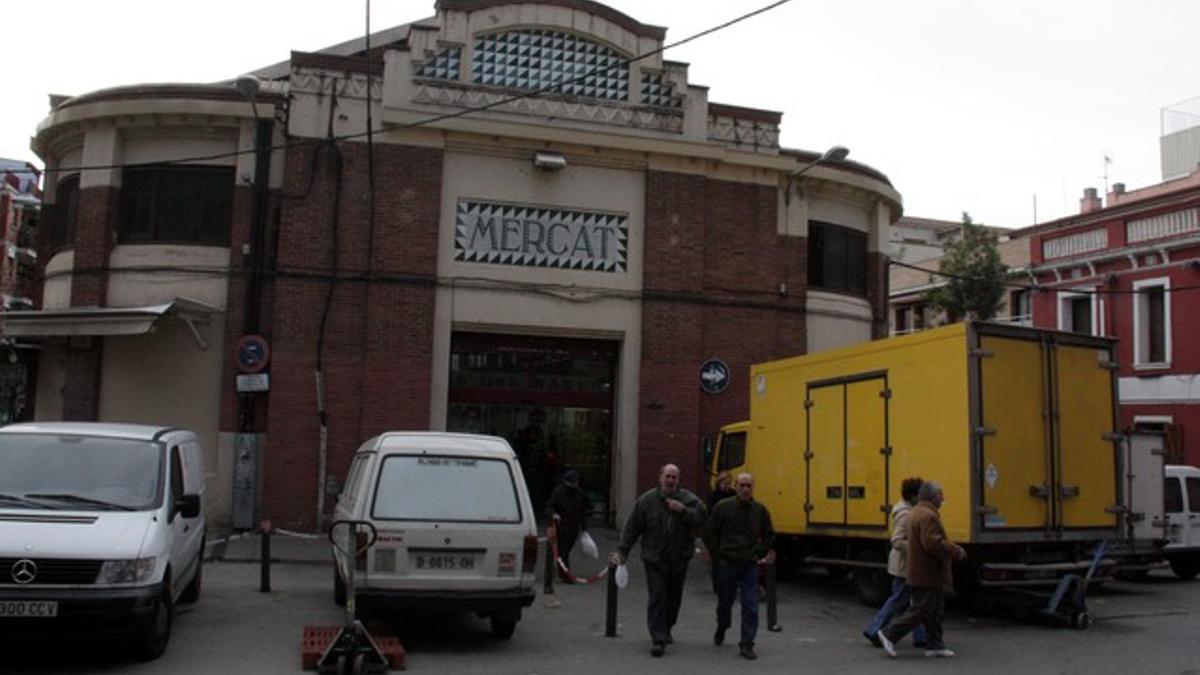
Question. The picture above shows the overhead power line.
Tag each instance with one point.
(1038, 287)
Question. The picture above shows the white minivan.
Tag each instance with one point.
(1182, 496)
(455, 528)
(101, 530)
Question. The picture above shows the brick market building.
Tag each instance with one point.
(555, 266)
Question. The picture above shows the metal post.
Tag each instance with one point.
(264, 554)
(772, 605)
(610, 607)
(548, 588)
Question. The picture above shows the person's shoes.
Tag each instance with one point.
(747, 652)
(874, 640)
(886, 644)
(658, 649)
(942, 653)
(719, 637)
(670, 640)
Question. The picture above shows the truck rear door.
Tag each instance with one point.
(847, 451)
(1087, 461)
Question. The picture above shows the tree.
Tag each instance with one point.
(972, 275)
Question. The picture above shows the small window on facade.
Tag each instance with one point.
(837, 258)
(1075, 313)
(733, 451)
(176, 204)
(62, 231)
(1151, 322)
(1020, 310)
(1174, 495)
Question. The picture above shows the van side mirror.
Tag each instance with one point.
(187, 505)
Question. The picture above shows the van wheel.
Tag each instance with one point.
(339, 589)
(873, 585)
(153, 643)
(1185, 568)
(192, 592)
(504, 623)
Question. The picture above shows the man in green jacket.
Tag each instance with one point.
(664, 519)
(738, 535)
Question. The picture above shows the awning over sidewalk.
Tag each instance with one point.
(74, 321)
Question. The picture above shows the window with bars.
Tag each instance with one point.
(837, 258)
(62, 231)
(176, 204)
(535, 59)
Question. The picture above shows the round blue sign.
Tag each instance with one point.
(714, 376)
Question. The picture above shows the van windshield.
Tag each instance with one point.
(46, 471)
(462, 489)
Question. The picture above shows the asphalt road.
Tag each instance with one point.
(1147, 627)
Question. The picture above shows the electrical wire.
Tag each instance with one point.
(294, 142)
(1040, 288)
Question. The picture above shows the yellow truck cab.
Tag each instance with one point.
(1018, 424)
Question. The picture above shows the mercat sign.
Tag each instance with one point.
(535, 236)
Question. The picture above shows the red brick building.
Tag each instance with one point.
(1130, 269)
(541, 237)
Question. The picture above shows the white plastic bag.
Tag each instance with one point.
(622, 576)
(588, 545)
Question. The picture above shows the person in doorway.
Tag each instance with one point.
(931, 556)
(567, 506)
(724, 490)
(664, 519)
(739, 535)
(897, 566)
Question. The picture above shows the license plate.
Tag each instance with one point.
(28, 608)
(444, 562)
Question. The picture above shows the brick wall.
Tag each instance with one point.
(719, 283)
(94, 227)
(379, 334)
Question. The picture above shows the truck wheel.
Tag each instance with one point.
(339, 589)
(873, 585)
(504, 623)
(1185, 568)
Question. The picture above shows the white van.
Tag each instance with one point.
(1182, 496)
(456, 531)
(100, 530)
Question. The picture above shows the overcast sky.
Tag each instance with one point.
(967, 105)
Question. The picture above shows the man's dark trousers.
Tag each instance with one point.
(664, 584)
(738, 578)
(928, 607)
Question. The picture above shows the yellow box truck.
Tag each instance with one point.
(1018, 424)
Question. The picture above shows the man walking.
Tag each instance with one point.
(739, 534)
(568, 506)
(931, 556)
(664, 518)
(898, 566)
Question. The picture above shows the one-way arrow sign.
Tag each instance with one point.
(714, 376)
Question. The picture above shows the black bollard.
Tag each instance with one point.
(610, 608)
(264, 584)
(772, 605)
(548, 589)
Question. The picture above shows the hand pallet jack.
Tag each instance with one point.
(352, 651)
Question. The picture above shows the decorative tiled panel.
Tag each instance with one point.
(657, 93)
(535, 59)
(1165, 225)
(1074, 244)
(444, 66)
(535, 236)
(593, 112)
(742, 132)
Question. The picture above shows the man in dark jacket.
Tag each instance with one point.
(567, 506)
(739, 534)
(664, 519)
(931, 556)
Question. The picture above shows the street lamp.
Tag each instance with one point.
(834, 154)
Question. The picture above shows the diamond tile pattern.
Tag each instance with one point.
(657, 93)
(534, 59)
(534, 236)
(444, 66)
